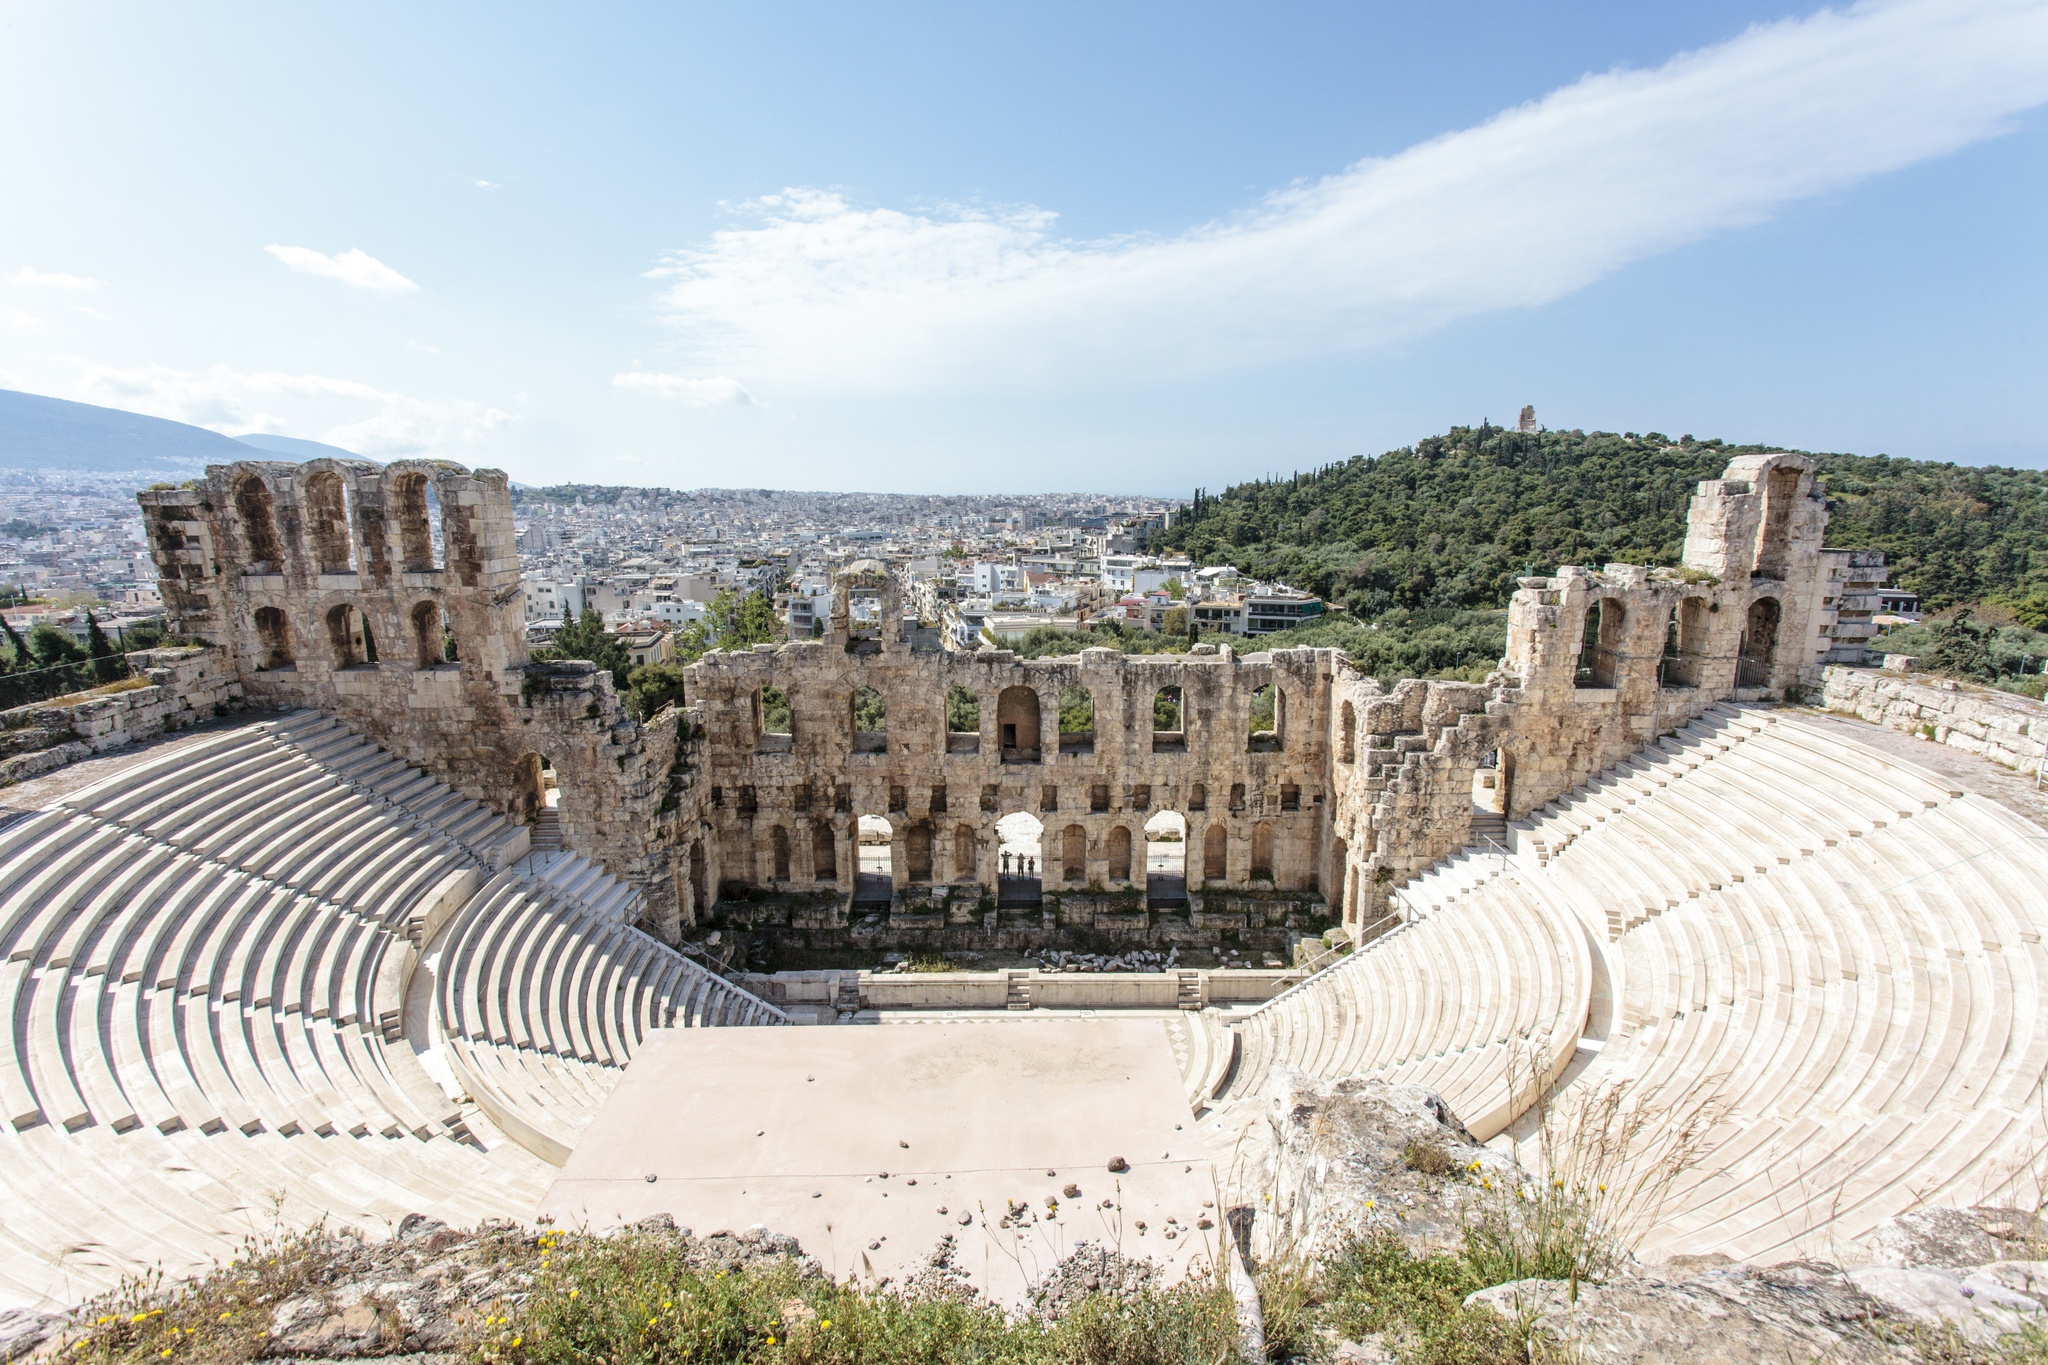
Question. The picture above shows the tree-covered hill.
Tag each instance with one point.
(1448, 524)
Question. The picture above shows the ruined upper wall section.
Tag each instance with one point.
(1765, 517)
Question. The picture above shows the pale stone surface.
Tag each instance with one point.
(1997, 726)
(819, 1133)
(1734, 1315)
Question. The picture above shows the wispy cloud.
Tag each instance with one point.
(14, 317)
(54, 279)
(486, 184)
(343, 412)
(709, 392)
(1537, 202)
(353, 267)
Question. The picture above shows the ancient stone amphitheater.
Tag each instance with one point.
(382, 933)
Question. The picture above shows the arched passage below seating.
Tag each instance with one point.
(1166, 860)
(1020, 850)
(874, 880)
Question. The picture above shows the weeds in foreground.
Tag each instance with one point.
(219, 1318)
(1416, 1304)
(630, 1298)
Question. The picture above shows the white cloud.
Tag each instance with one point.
(710, 392)
(343, 412)
(1529, 206)
(14, 317)
(353, 267)
(54, 279)
(487, 185)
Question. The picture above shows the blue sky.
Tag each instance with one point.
(1017, 248)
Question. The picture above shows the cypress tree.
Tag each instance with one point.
(107, 663)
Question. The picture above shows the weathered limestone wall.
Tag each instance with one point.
(186, 686)
(2006, 729)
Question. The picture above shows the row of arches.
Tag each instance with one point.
(1603, 656)
(1026, 850)
(351, 641)
(331, 518)
(1019, 720)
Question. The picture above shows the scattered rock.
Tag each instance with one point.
(1118, 1165)
(1981, 1305)
(1729, 1315)
(1951, 1238)
(1091, 1269)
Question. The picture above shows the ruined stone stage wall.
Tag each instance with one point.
(295, 572)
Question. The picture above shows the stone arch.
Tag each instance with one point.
(1118, 849)
(414, 501)
(1600, 643)
(778, 853)
(274, 638)
(824, 852)
(1347, 734)
(917, 852)
(1759, 653)
(874, 881)
(257, 512)
(1074, 855)
(699, 880)
(1020, 853)
(1018, 726)
(1773, 556)
(1262, 851)
(1215, 853)
(1077, 720)
(966, 854)
(963, 721)
(1169, 720)
(868, 714)
(327, 523)
(1166, 859)
(433, 643)
(1266, 719)
(349, 635)
(1685, 644)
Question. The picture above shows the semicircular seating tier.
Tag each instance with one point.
(1826, 959)
(216, 1022)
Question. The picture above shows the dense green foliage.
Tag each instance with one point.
(2005, 655)
(963, 711)
(740, 622)
(1451, 522)
(586, 638)
(870, 711)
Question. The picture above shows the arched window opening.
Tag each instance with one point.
(1166, 860)
(1215, 854)
(1074, 855)
(963, 721)
(1198, 797)
(874, 882)
(349, 633)
(966, 854)
(870, 721)
(1017, 724)
(1168, 736)
(1774, 528)
(700, 880)
(1077, 721)
(1020, 882)
(327, 523)
(1600, 644)
(1759, 655)
(1685, 644)
(917, 853)
(416, 505)
(273, 639)
(433, 642)
(824, 852)
(540, 797)
(1489, 786)
(778, 849)
(772, 720)
(1262, 722)
(1119, 851)
(255, 509)
(1262, 851)
(1347, 734)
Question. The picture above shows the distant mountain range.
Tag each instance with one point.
(54, 433)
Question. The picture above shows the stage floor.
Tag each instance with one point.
(869, 1145)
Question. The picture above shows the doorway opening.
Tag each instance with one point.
(1020, 877)
(874, 881)
(1166, 860)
